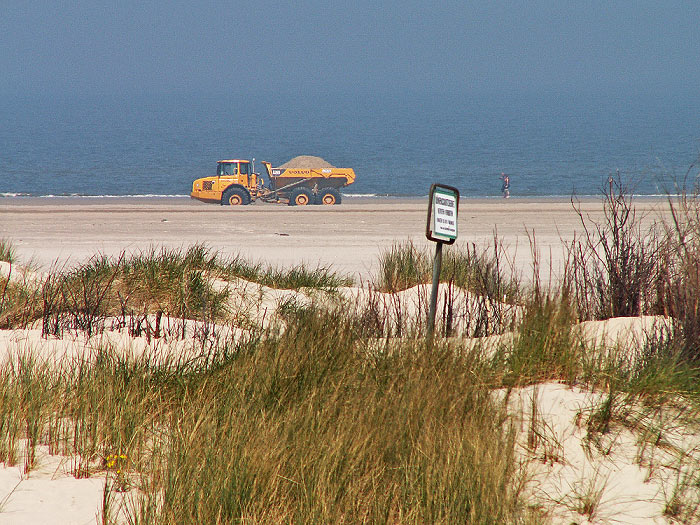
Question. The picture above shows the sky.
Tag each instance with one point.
(212, 46)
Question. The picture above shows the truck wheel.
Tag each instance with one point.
(301, 197)
(329, 196)
(235, 197)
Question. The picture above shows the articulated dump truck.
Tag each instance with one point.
(236, 184)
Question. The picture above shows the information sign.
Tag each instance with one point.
(442, 214)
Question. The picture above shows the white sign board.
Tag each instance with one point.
(442, 215)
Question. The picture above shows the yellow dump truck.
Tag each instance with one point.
(236, 184)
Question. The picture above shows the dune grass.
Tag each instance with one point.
(334, 418)
(483, 272)
(312, 424)
(7, 251)
(19, 303)
(294, 278)
(544, 347)
(158, 281)
(299, 427)
(324, 436)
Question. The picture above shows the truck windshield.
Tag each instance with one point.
(225, 168)
(244, 168)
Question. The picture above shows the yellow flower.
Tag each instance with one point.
(114, 460)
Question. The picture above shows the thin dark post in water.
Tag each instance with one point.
(437, 265)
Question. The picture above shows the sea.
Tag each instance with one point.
(550, 145)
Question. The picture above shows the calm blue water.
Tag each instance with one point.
(397, 146)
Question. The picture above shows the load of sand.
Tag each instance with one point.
(306, 162)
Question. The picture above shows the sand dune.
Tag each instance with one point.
(564, 460)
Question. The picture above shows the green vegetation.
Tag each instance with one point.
(175, 283)
(341, 411)
(300, 427)
(544, 346)
(481, 272)
(7, 251)
(294, 278)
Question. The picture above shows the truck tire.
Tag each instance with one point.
(235, 197)
(329, 197)
(300, 197)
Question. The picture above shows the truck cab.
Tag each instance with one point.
(230, 174)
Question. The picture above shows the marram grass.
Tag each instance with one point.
(7, 251)
(483, 272)
(327, 421)
(300, 427)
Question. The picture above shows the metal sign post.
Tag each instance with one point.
(441, 229)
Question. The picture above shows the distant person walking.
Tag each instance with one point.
(505, 188)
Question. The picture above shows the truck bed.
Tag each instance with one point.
(321, 177)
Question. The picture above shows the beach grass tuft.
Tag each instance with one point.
(484, 272)
(7, 251)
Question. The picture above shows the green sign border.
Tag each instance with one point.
(430, 226)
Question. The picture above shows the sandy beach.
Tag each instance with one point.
(60, 232)
(348, 237)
